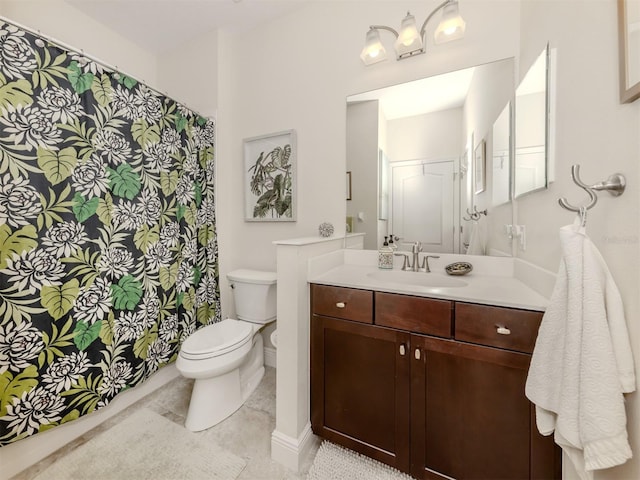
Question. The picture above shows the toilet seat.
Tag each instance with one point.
(217, 339)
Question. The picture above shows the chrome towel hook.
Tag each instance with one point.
(615, 185)
(475, 215)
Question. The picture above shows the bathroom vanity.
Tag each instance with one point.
(433, 386)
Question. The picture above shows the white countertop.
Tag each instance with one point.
(492, 283)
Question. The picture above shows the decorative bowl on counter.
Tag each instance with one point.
(458, 268)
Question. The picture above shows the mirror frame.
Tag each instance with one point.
(628, 93)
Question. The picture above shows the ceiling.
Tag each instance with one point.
(160, 25)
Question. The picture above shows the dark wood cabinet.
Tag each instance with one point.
(445, 402)
(470, 418)
(360, 388)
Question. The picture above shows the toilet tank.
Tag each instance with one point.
(254, 295)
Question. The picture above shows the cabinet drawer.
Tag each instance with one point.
(340, 302)
(415, 314)
(497, 326)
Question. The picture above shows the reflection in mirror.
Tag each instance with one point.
(406, 146)
(383, 186)
(532, 128)
(501, 161)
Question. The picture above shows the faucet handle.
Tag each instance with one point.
(406, 264)
(425, 262)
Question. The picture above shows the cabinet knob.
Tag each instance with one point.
(341, 304)
(503, 331)
(417, 354)
(403, 350)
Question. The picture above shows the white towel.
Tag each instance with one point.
(582, 361)
(478, 237)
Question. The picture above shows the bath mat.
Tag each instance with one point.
(146, 445)
(333, 462)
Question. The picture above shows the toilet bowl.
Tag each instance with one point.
(226, 359)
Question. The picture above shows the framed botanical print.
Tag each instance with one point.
(270, 177)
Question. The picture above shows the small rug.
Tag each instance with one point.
(333, 462)
(143, 446)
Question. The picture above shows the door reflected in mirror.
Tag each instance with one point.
(532, 128)
(406, 146)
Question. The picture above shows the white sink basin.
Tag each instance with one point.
(416, 278)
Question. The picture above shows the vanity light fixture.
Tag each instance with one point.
(409, 41)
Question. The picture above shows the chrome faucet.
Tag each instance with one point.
(416, 249)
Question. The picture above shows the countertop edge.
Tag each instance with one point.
(525, 298)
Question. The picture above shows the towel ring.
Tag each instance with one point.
(615, 185)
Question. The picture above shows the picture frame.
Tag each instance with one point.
(629, 49)
(479, 167)
(348, 185)
(270, 177)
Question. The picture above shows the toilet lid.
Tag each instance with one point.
(217, 339)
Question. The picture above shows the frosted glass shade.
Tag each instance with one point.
(409, 39)
(373, 51)
(451, 27)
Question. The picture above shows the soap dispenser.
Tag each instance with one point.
(392, 245)
(385, 256)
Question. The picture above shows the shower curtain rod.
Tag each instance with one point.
(81, 52)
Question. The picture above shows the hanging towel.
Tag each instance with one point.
(582, 361)
(478, 237)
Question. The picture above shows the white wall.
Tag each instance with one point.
(594, 130)
(189, 73)
(57, 19)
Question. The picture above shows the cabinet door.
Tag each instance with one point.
(360, 388)
(470, 417)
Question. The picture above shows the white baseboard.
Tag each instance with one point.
(20, 455)
(290, 451)
(270, 355)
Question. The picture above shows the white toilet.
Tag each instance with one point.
(226, 359)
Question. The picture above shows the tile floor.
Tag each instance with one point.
(246, 433)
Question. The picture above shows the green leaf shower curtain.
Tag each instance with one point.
(108, 251)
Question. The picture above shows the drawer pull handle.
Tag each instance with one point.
(417, 354)
(503, 331)
(403, 350)
(341, 304)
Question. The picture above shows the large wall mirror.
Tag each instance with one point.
(410, 151)
(532, 145)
